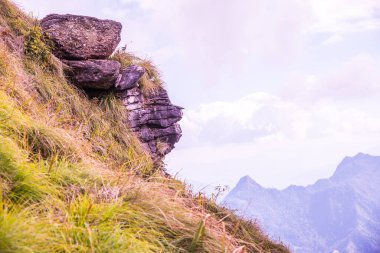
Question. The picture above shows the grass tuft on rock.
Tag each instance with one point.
(151, 81)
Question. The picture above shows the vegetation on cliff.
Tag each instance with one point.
(73, 178)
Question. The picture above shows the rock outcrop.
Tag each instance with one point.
(81, 37)
(84, 45)
(154, 118)
(129, 77)
(94, 74)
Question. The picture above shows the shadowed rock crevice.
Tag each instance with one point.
(84, 44)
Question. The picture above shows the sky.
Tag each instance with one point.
(281, 90)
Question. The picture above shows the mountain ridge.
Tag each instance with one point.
(341, 212)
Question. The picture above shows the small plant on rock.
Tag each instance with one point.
(125, 58)
(37, 46)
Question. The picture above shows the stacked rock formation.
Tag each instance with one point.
(84, 45)
(154, 118)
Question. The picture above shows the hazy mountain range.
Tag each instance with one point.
(339, 213)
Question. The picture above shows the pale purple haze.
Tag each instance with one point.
(280, 90)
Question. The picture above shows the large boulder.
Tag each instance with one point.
(81, 37)
(129, 77)
(92, 74)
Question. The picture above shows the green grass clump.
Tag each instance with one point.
(197, 240)
(13, 18)
(125, 58)
(38, 138)
(25, 182)
(36, 46)
(151, 81)
(3, 62)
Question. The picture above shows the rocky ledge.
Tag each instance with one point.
(84, 44)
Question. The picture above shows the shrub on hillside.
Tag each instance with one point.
(37, 45)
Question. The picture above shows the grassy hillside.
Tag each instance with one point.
(73, 178)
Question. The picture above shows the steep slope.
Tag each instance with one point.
(75, 178)
(340, 213)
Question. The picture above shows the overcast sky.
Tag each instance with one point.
(280, 90)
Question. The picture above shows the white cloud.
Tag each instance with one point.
(342, 16)
(333, 39)
(236, 31)
(251, 119)
(344, 100)
(356, 79)
(258, 115)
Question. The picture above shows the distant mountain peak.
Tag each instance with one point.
(247, 181)
(351, 166)
(246, 178)
(361, 155)
(358, 156)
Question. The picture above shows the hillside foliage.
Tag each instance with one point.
(74, 178)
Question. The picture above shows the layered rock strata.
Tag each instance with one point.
(84, 45)
(154, 118)
(129, 77)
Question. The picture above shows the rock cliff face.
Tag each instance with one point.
(84, 44)
(154, 119)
